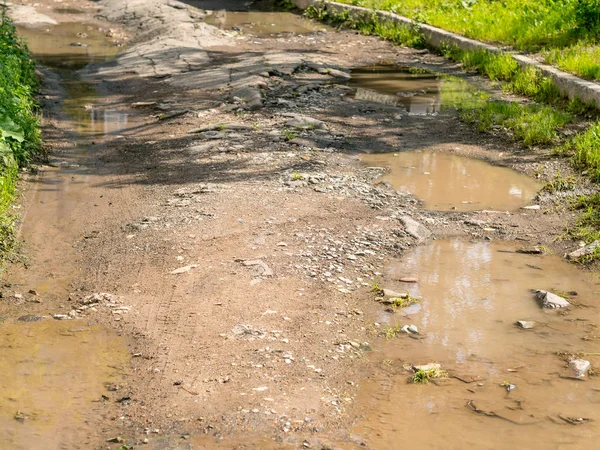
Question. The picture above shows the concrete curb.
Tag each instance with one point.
(569, 85)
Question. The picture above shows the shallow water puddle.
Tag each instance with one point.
(53, 375)
(471, 296)
(418, 92)
(448, 182)
(69, 45)
(262, 23)
(88, 119)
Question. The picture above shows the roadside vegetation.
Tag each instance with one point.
(19, 126)
(565, 32)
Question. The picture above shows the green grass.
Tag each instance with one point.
(19, 126)
(403, 302)
(531, 124)
(566, 30)
(370, 24)
(587, 226)
(560, 184)
(580, 59)
(423, 376)
(584, 149)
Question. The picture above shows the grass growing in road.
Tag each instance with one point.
(19, 127)
(424, 375)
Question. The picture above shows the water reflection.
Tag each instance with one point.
(418, 92)
(472, 293)
(69, 45)
(450, 182)
(262, 22)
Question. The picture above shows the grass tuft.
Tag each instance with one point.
(423, 376)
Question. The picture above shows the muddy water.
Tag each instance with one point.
(472, 294)
(69, 45)
(55, 372)
(51, 372)
(448, 182)
(261, 23)
(415, 91)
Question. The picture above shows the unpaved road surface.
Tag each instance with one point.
(205, 205)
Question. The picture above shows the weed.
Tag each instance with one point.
(285, 5)
(296, 176)
(423, 376)
(403, 302)
(587, 225)
(391, 332)
(559, 183)
(585, 151)
(531, 124)
(376, 286)
(289, 135)
(370, 24)
(566, 30)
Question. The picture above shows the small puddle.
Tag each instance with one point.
(69, 45)
(418, 92)
(53, 376)
(472, 295)
(87, 119)
(262, 23)
(446, 182)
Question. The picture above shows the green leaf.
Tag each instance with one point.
(10, 129)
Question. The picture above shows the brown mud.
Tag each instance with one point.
(205, 209)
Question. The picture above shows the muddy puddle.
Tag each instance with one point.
(416, 91)
(471, 296)
(54, 374)
(447, 182)
(69, 45)
(262, 23)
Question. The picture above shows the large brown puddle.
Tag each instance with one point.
(416, 91)
(53, 372)
(472, 295)
(446, 182)
(69, 45)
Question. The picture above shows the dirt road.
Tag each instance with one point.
(205, 223)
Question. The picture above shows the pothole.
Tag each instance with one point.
(500, 376)
(447, 182)
(70, 45)
(262, 23)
